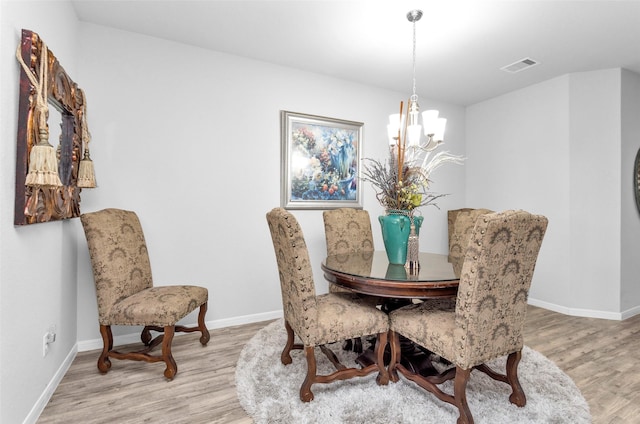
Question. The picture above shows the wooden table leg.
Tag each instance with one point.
(413, 358)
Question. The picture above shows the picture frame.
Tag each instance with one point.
(320, 165)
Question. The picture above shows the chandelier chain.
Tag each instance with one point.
(414, 59)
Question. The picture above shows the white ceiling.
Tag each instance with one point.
(461, 45)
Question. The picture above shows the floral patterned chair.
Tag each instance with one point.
(348, 230)
(319, 320)
(461, 223)
(125, 291)
(488, 319)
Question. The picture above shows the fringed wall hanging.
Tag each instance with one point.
(47, 178)
(43, 161)
(86, 172)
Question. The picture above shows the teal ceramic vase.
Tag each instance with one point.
(395, 234)
(396, 272)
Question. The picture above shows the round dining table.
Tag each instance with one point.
(370, 273)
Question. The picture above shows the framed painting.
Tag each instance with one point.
(320, 165)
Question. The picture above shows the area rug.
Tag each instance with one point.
(269, 391)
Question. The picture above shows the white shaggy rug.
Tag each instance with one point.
(269, 391)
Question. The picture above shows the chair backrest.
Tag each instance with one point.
(296, 276)
(118, 255)
(460, 225)
(494, 285)
(347, 230)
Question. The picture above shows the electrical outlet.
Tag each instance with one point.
(49, 337)
(45, 344)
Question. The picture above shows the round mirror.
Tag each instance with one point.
(636, 179)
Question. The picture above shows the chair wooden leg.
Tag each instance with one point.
(460, 395)
(348, 344)
(357, 345)
(394, 342)
(354, 345)
(383, 374)
(104, 364)
(167, 357)
(285, 356)
(145, 336)
(205, 337)
(517, 395)
(341, 373)
(306, 395)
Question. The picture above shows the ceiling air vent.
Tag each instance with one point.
(520, 65)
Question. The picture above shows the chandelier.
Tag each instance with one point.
(404, 129)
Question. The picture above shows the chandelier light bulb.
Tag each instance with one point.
(438, 134)
(396, 124)
(430, 119)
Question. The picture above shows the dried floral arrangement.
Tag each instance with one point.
(402, 183)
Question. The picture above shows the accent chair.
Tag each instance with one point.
(348, 230)
(126, 294)
(319, 320)
(488, 319)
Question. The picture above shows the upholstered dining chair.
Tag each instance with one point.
(460, 226)
(348, 230)
(126, 294)
(318, 320)
(488, 318)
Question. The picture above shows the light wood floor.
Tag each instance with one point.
(601, 356)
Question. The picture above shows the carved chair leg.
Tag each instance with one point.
(354, 345)
(107, 344)
(145, 336)
(305, 390)
(205, 337)
(394, 342)
(347, 345)
(357, 345)
(460, 395)
(517, 395)
(381, 343)
(285, 356)
(172, 367)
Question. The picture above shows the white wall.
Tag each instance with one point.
(555, 148)
(595, 190)
(518, 156)
(630, 242)
(38, 269)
